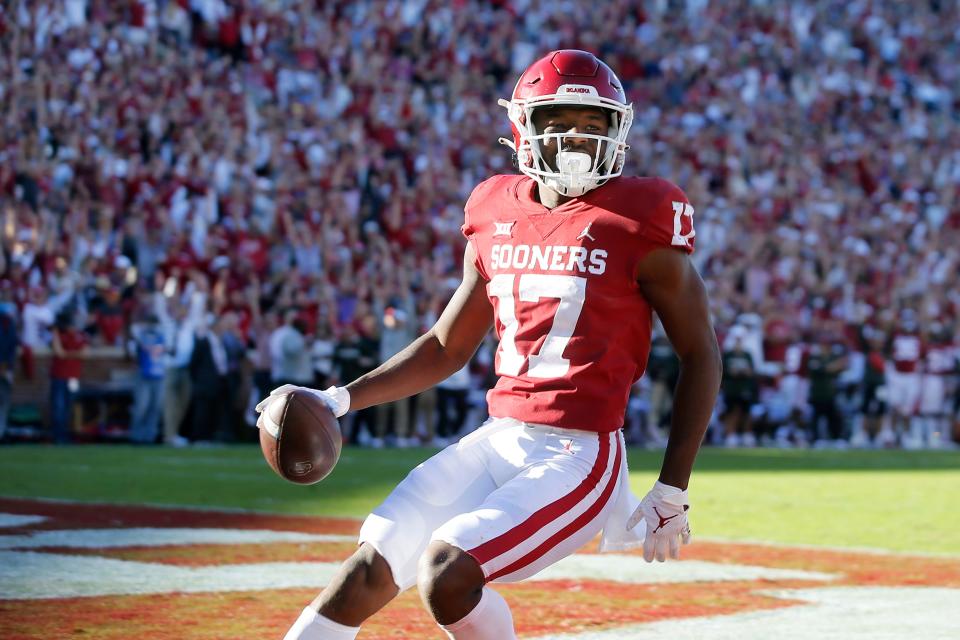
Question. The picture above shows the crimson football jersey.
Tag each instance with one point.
(906, 351)
(795, 360)
(574, 329)
(940, 359)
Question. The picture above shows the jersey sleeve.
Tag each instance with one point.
(476, 218)
(671, 222)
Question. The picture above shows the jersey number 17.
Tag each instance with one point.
(549, 362)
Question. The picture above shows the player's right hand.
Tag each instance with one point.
(336, 398)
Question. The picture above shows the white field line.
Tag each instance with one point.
(159, 537)
(17, 520)
(30, 575)
(836, 613)
(635, 570)
(826, 547)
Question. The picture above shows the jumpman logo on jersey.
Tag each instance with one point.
(586, 233)
(663, 521)
(503, 228)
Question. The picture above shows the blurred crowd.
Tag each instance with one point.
(244, 193)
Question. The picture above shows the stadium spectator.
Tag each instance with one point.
(826, 361)
(149, 348)
(425, 405)
(397, 326)
(289, 353)
(739, 390)
(66, 367)
(321, 349)
(820, 140)
(939, 362)
(208, 378)
(874, 404)
(904, 380)
(262, 326)
(38, 319)
(424, 419)
(357, 353)
(662, 372)
(9, 345)
(109, 317)
(179, 316)
(227, 332)
(452, 406)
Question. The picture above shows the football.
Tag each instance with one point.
(300, 437)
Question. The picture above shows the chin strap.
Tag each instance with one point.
(512, 113)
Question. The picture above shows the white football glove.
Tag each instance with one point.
(664, 510)
(337, 398)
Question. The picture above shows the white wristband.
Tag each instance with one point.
(670, 494)
(341, 399)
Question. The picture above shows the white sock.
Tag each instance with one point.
(489, 620)
(313, 626)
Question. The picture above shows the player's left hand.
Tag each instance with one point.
(664, 509)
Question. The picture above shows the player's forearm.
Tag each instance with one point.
(693, 402)
(421, 365)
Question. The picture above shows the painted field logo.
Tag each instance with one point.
(112, 572)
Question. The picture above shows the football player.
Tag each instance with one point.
(904, 379)
(567, 261)
(939, 363)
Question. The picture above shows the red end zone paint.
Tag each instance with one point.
(851, 567)
(854, 568)
(557, 606)
(68, 515)
(207, 555)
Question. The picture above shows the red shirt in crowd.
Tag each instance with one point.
(70, 365)
(110, 323)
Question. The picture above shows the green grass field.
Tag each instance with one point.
(896, 500)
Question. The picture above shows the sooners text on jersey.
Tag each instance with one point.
(574, 330)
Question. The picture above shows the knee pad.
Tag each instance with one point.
(399, 535)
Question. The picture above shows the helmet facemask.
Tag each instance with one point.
(577, 172)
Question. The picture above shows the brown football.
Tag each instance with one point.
(307, 442)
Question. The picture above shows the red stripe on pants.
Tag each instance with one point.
(511, 538)
(571, 528)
